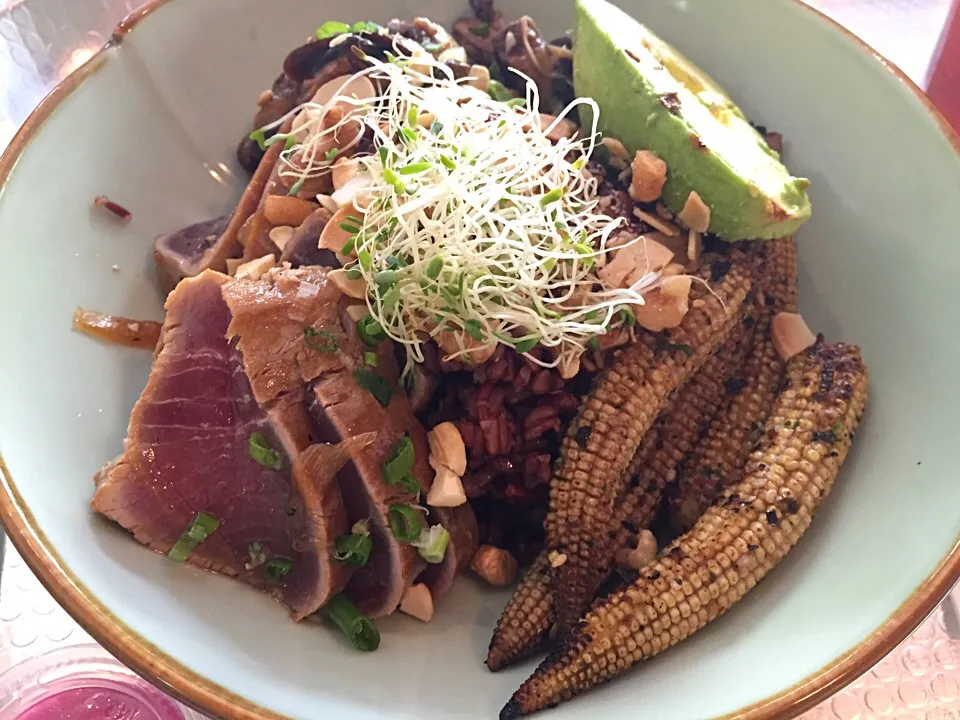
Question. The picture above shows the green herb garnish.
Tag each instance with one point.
(370, 331)
(260, 137)
(262, 453)
(353, 549)
(199, 530)
(277, 569)
(498, 91)
(320, 340)
(405, 523)
(370, 359)
(400, 461)
(358, 628)
(432, 544)
(374, 384)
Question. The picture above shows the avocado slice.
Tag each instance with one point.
(650, 97)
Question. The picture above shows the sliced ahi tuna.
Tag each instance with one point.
(199, 442)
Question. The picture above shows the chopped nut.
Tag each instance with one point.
(280, 236)
(569, 366)
(649, 175)
(452, 342)
(694, 248)
(344, 169)
(666, 305)
(561, 129)
(791, 334)
(557, 559)
(479, 77)
(446, 445)
(357, 312)
(328, 203)
(616, 148)
(286, 210)
(634, 260)
(646, 550)
(233, 264)
(349, 194)
(447, 489)
(695, 214)
(498, 567)
(664, 226)
(351, 288)
(333, 237)
(417, 602)
(255, 269)
(266, 97)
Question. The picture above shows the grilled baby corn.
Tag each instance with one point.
(718, 458)
(613, 419)
(526, 619)
(732, 546)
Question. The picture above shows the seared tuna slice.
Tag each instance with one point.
(188, 450)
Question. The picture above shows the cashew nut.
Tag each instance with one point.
(496, 566)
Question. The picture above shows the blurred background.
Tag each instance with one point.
(43, 41)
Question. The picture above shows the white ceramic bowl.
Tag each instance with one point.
(152, 122)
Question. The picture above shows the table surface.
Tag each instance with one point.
(42, 41)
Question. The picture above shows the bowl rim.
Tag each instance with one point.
(189, 687)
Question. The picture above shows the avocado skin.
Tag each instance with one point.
(646, 112)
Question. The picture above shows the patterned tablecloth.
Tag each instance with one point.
(42, 41)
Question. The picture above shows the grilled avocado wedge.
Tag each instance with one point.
(650, 97)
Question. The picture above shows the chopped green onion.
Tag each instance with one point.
(434, 268)
(354, 274)
(349, 245)
(415, 168)
(436, 127)
(331, 154)
(260, 137)
(551, 197)
(432, 544)
(516, 102)
(374, 384)
(358, 628)
(353, 549)
(277, 569)
(481, 29)
(498, 91)
(448, 162)
(370, 331)
(297, 187)
(474, 329)
(331, 28)
(262, 453)
(199, 530)
(400, 461)
(365, 259)
(405, 523)
(258, 555)
(409, 484)
(629, 319)
(320, 340)
(370, 359)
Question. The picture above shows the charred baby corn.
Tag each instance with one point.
(614, 417)
(526, 619)
(718, 458)
(731, 547)
(683, 423)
